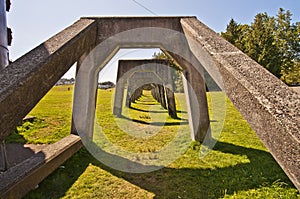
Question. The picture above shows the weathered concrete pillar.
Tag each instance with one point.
(133, 92)
(158, 95)
(139, 93)
(3, 63)
(171, 103)
(119, 93)
(129, 93)
(128, 98)
(195, 92)
(162, 96)
(170, 94)
(78, 64)
(162, 72)
(166, 98)
(197, 103)
(154, 92)
(3, 36)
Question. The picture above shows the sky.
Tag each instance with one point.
(34, 21)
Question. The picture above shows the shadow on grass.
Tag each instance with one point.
(211, 183)
(148, 103)
(148, 111)
(157, 123)
(180, 111)
(176, 183)
(151, 111)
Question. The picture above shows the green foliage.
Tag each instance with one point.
(274, 42)
(236, 34)
(294, 76)
(261, 44)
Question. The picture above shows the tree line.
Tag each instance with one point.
(272, 41)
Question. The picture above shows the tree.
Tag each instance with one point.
(235, 34)
(232, 32)
(288, 41)
(261, 45)
(293, 78)
(274, 42)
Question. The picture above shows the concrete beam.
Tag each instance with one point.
(129, 94)
(270, 107)
(29, 78)
(111, 26)
(24, 177)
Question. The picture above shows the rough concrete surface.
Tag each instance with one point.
(23, 177)
(296, 88)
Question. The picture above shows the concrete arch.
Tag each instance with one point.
(157, 72)
(171, 41)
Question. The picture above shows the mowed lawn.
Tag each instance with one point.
(238, 166)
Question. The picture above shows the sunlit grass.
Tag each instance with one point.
(53, 119)
(239, 166)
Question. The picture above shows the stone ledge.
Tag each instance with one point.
(22, 178)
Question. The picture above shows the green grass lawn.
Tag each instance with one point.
(53, 119)
(239, 166)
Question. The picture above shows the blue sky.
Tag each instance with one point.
(34, 21)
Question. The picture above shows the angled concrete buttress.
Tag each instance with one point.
(269, 106)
